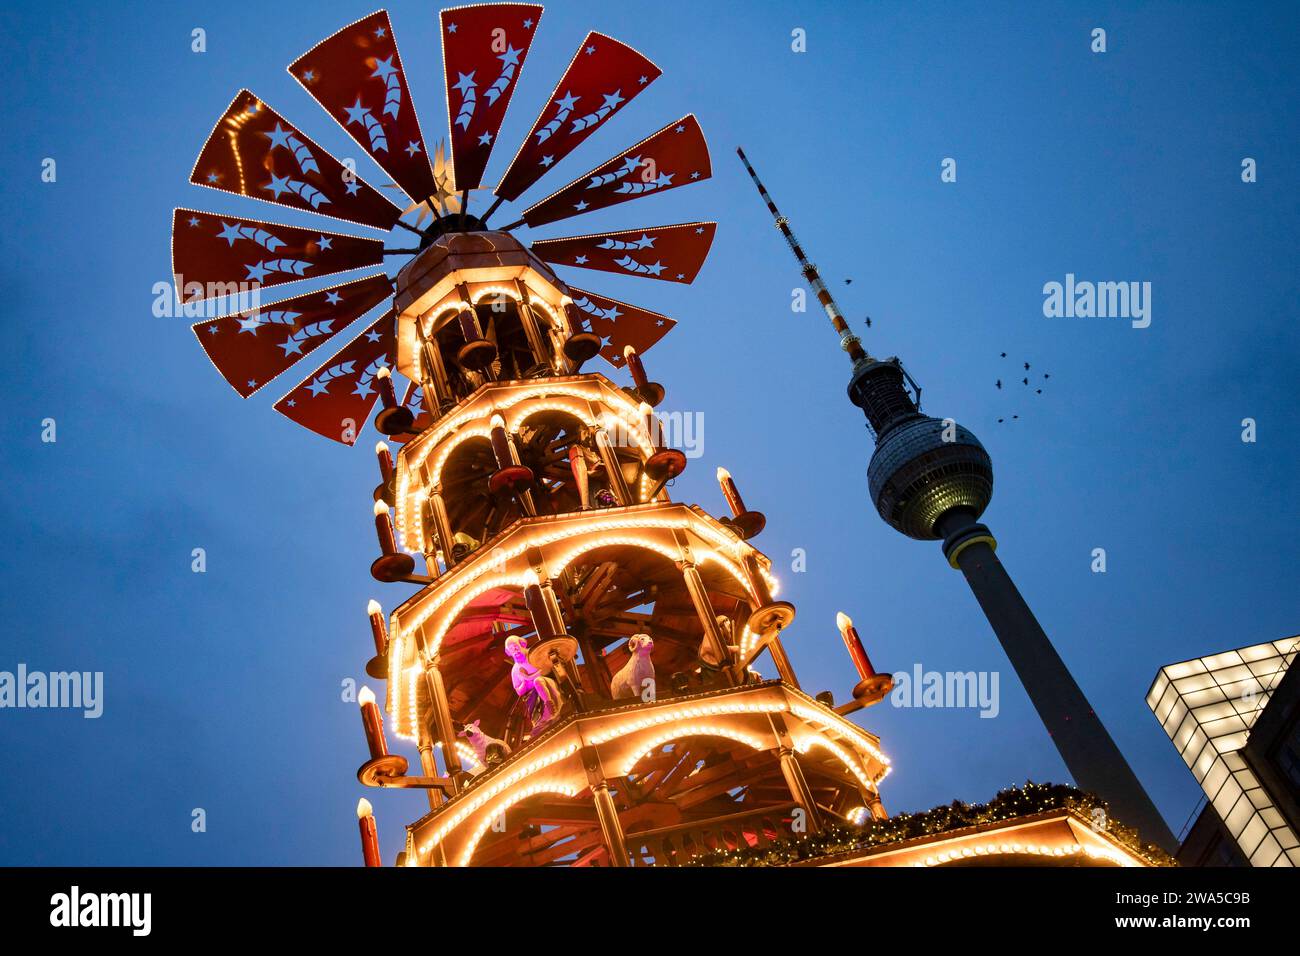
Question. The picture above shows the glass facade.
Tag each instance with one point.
(1207, 707)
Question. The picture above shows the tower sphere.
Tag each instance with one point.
(916, 475)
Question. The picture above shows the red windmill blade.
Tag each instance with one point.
(672, 253)
(603, 76)
(620, 324)
(252, 347)
(483, 51)
(357, 76)
(253, 151)
(215, 255)
(336, 399)
(676, 155)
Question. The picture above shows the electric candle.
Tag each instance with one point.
(635, 367)
(385, 460)
(378, 629)
(500, 442)
(384, 382)
(372, 723)
(854, 644)
(369, 833)
(734, 501)
(536, 604)
(384, 528)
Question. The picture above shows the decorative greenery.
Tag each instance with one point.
(1007, 805)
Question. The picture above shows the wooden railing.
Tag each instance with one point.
(677, 845)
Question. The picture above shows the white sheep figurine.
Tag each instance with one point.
(489, 750)
(631, 679)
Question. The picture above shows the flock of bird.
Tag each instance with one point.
(998, 384)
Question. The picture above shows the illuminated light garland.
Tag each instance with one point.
(472, 844)
(1109, 854)
(417, 451)
(466, 753)
(693, 730)
(480, 431)
(659, 718)
(833, 720)
(857, 815)
(947, 824)
(412, 698)
(805, 743)
(496, 788)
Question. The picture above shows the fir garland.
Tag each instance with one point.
(1006, 805)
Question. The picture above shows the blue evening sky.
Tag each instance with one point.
(223, 688)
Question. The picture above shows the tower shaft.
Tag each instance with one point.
(1090, 754)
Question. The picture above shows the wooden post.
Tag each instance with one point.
(793, 774)
(700, 598)
(611, 830)
(441, 709)
(615, 472)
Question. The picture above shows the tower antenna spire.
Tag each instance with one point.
(848, 341)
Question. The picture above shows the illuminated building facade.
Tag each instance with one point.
(1235, 719)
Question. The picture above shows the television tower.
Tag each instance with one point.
(931, 479)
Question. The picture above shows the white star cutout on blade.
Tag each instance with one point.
(290, 403)
(279, 136)
(381, 33)
(581, 205)
(372, 336)
(412, 148)
(547, 160)
(485, 139)
(324, 242)
(567, 102)
(278, 184)
(333, 298)
(384, 68)
(451, 28)
(230, 232)
(580, 261)
(249, 325)
(194, 222)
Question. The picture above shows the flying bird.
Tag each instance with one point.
(1026, 366)
(998, 383)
